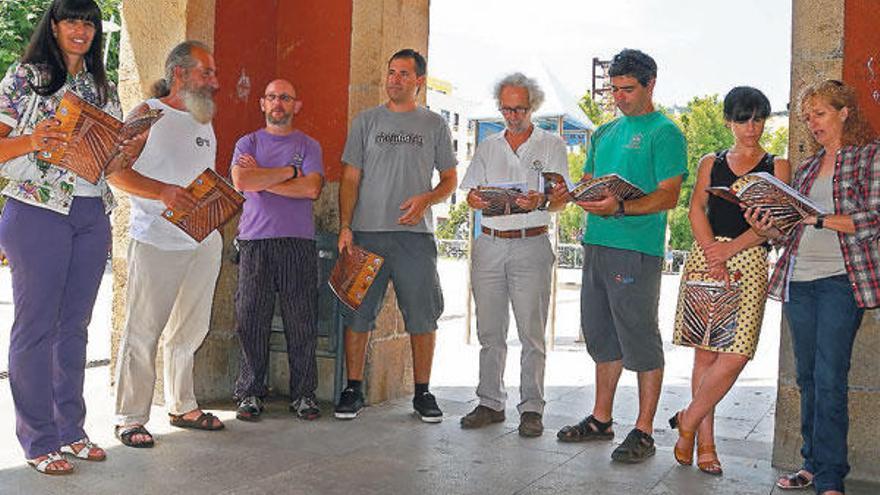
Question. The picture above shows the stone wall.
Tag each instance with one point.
(818, 33)
(143, 49)
(380, 28)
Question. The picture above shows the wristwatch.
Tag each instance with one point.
(820, 221)
(620, 209)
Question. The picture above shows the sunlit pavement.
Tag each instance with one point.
(386, 450)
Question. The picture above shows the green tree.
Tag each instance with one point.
(458, 215)
(571, 219)
(776, 141)
(594, 110)
(703, 126)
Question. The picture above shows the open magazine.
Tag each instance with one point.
(502, 198)
(354, 273)
(787, 207)
(93, 137)
(216, 203)
(596, 188)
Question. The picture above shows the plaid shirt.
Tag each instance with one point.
(856, 191)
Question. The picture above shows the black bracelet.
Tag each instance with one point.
(295, 172)
(820, 221)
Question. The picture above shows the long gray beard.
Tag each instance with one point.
(200, 105)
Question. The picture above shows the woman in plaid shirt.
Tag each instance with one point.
(828, 273)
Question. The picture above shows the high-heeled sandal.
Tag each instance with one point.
(682, 456)
(711, 466)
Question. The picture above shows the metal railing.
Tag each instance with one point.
(567, 255)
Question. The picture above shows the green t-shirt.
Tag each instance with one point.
(645, 150)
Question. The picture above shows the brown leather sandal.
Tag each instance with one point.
(712, 465)
(205, 421)
(685, 457)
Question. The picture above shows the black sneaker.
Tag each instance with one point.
(351, 402)
(305, 408)
(637, 447)
(426, 407)
(249, 408)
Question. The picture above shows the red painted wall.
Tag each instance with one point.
(244, 40)
(861, 55)
(304, 41)
(314, 51)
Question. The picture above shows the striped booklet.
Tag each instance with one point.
(596, 188)
(787, 207)
(217, 202)
(354, 273)
(93, 137)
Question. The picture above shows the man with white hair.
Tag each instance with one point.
(512, 258)
(171, 277)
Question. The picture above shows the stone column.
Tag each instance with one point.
(150, 29)
(380, 28)
(818, 33)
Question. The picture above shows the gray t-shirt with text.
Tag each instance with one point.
(397, 153)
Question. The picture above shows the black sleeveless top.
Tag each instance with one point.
(726, 218)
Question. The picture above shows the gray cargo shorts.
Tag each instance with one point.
(411, 264)
(619, 298)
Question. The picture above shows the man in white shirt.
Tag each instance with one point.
(512, 258)
(171, 277)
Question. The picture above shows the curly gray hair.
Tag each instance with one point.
(520, 80)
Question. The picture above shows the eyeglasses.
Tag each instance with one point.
(284, 97)
(514, 110)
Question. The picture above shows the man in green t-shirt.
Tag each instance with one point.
(623, 252)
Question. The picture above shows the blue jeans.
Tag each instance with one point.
(823, 318)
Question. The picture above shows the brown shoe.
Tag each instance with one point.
(530, 425)
(481, 416)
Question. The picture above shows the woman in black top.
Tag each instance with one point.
(727, 271)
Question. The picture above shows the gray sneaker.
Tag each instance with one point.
(249, 408)
(305, 408)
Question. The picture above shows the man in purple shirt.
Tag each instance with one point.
(280, 172)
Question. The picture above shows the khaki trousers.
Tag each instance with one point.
(169, 294)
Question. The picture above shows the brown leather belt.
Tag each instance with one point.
(515, 234)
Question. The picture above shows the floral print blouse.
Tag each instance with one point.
(32, 180)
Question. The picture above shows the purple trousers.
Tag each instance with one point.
(57, 262)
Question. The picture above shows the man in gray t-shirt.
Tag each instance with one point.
(385, 199)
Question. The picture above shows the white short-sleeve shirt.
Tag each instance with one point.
(496, 162)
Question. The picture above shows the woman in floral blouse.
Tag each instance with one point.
(828, 273)
(55, 231)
